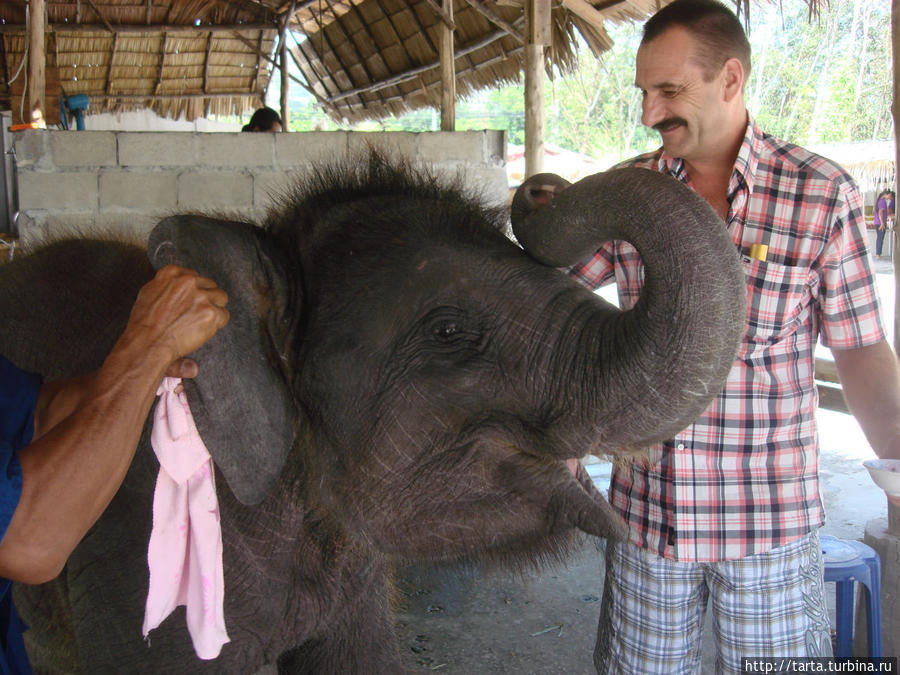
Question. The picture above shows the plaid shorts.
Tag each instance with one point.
(766, 605)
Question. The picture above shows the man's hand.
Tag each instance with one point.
(178, 311)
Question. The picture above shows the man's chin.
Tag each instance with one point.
(672, 147)
(675, 141)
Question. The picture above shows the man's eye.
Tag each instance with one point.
(670, 93)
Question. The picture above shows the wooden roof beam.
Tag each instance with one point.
(400, 41)
(150, 97)
(359, 17)
(306, 85)
(415, 72)
(141, 28)
(495, 19)
(422, 30)
(585, 11)
(427, 87)
(162, 63)
(209, 40)
(282, 31)
(349, 40)
(112, 56)
(100, 15)
(337, 57)
(261, 12)
(259, 64)
(445, 16)
(305, 4)
(249, 44)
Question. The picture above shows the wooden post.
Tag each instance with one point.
(448, 71)
(895, 47)
(35, 98)
(537, 27)
(283, 60)
(285, 87)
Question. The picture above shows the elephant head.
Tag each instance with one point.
(421, 379)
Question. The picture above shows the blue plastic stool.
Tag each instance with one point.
(848, 561)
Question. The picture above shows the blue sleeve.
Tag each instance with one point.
(18, 398)
(10, 485)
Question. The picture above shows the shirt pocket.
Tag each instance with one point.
(776, 297)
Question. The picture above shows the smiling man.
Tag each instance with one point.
(729, 509)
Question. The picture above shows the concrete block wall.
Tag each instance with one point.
(125, 181)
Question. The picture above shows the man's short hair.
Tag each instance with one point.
(720, 33)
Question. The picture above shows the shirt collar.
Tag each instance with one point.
(747, 159)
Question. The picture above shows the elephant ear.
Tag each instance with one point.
(240, 400)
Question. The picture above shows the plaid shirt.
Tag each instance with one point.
(743, 478)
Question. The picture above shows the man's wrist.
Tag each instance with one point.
(137, 358)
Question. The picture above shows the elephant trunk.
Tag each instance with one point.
(639, 376)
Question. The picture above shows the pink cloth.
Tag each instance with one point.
(185, 550)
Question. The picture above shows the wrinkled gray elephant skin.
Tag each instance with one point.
(399, 382)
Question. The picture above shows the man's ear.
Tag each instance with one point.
(732, 79)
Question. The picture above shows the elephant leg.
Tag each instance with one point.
(359, 641)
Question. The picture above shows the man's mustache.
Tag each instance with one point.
(669, 123)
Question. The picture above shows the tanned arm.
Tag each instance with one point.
(87, 430)
(870, 379)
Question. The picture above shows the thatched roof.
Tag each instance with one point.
(361, 59)
(371, 58)
(132, 54)
(871, 163)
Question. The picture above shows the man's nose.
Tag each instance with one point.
(651, 111)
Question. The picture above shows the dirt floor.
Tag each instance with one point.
(458, 621)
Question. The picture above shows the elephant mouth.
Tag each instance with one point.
(585, 508)
(525, 467)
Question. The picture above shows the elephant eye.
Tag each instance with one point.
(444, 339)
(451, 326)
(445, 330)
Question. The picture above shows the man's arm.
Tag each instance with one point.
(87, 430)
(870, 379)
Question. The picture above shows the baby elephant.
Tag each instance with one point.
(399, 382)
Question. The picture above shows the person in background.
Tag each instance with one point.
(730, 508)
(66, 446)
(264, 119)
(884, 218)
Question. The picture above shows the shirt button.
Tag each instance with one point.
(681, 446)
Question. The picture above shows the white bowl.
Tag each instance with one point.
(886, 474)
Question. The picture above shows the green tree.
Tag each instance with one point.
(826, 79)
